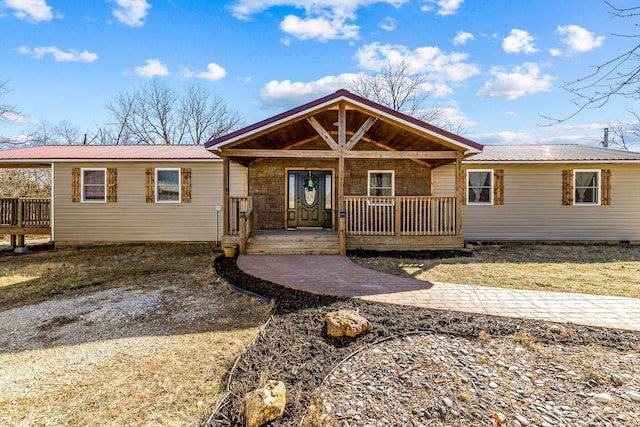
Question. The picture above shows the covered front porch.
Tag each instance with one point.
(369, 222)
(343, 165)
(20, 217)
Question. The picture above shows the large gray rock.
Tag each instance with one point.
(346, 323)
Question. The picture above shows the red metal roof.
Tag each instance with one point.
(342, 94)
(66, 153)
(550, 153)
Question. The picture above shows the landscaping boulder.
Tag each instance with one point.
(346, 323)
(265, 404)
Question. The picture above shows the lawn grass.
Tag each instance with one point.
(39, 275)
(163, 379)
(593, 269)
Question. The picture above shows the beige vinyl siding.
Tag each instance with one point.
(533, 208)
(237, 180)
(131, 218)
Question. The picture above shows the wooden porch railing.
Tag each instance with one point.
(240, 217)
(400, 216)
(19, 212)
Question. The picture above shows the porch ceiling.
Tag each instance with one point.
(383, 135)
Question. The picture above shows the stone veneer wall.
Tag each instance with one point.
(267, 182)
(267, 186)
(411, 178)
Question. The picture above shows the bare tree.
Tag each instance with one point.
(25, 182)
(157, 114)
(207, 115)
(6, 110)
(66, 133)
(625, 135)
(8, 113)
(619, 76)
(399, 87)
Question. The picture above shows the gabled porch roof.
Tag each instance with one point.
(363, 120)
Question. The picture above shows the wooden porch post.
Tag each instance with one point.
(243, 233)
(459, 196)
(342, 224)
(225, 197)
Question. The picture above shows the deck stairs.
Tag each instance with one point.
(294, 242)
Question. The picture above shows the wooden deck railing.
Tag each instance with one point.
(235, 206)
(400, 216)
(19, 212)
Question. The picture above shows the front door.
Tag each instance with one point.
(309, 198)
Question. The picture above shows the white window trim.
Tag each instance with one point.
(82, 171)
(598, 188)
(491, 189)
(393, 187)
(179, 185)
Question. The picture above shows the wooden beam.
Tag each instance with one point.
(225, 195)
(342, 126)
(459, 196)
(360, 133)
(342, 233)
(323, 133)
(331, 154)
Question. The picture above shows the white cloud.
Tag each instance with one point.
(13, 117)
(131, 12)
(388, 24)
(323, 19)
(579, 39)
(554, 51)
(453, 116)
(58, 55)
(589, 134)
(519, 41)
(448, 7)
(243, 9)
(445, 7)
(30, 10)
(522, 80)
(214, 72)
(322, 28)
(435, 64)
(287, 94)
(153, 68)
(462, 37)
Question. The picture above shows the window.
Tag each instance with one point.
(327, 191)
(94, 185)
(586, 184)
(168, 185)
(381, 183)
(480, 187)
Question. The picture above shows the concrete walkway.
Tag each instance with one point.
(339, 276)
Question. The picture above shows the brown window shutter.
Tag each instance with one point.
(186, 185)
(606, 187)
(151, 195)
(498, 187)
(112, 182)
(463, 182)
(567, 187)
(75, 185)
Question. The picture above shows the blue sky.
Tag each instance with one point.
(498, 65)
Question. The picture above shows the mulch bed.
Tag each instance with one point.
(293, 346)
